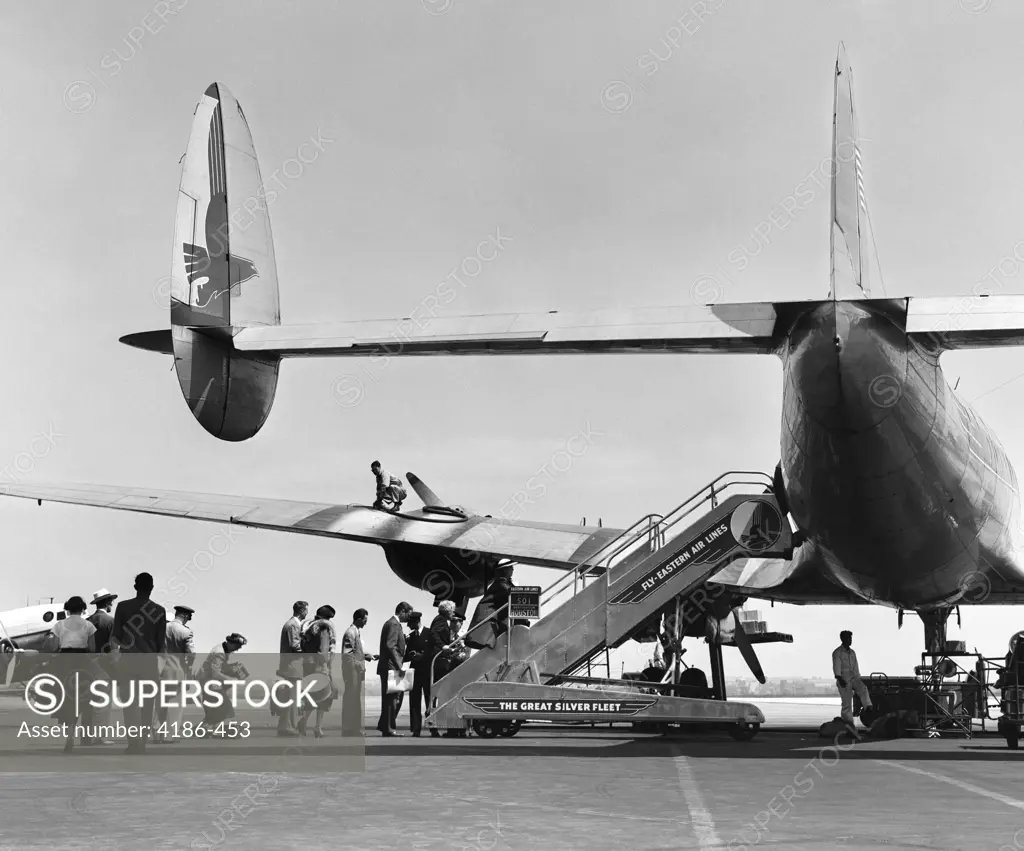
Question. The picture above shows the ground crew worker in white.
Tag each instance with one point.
(847, 674)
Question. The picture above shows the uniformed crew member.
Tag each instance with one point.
(93, 716)
(176, 662)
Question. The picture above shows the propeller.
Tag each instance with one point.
(747, 650)
(426, 495)
(721, 630)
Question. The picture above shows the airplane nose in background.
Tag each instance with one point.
(844, 369)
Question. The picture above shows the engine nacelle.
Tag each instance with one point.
(447, 577)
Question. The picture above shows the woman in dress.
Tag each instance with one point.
(219, 667)
(319, 642)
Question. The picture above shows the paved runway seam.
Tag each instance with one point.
(969, 787)
(700, 815)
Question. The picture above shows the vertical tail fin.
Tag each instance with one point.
(223, 273)
(850, 277)
(223, 269)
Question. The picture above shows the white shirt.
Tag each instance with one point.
(844, 663)
(73, 633)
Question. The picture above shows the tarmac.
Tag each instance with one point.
(552, 788)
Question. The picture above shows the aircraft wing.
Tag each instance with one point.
(804, 580)
(967, 322)
(744, 327)
(544, 544)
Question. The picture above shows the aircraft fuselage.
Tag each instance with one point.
(905, 492)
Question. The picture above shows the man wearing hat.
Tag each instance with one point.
(415, 652)
(176, 664)
(103, 600)
(93, 716)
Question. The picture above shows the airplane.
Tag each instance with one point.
(898, 493)
(22, 633)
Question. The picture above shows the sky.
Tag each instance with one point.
(624, 152)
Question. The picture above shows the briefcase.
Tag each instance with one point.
(399, 681)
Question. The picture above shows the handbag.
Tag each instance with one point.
(400, 681)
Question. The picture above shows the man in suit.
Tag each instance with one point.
(140, 632)
(415, 650)
(392, 654)
(92, 716)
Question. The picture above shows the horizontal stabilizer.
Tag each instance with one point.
(151, 341)
(712, 328)
(968, 322)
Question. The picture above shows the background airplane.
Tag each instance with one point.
(904, 497)
(22, 633)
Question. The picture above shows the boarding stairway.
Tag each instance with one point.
(609, 595)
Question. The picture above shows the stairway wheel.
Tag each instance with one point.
(486, 729)
(743, 731)
(509, 730)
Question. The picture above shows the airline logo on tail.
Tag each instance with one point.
(213, 270)
(207, 275)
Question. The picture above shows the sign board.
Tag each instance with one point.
(524, 602)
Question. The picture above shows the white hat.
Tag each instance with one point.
(101, 595)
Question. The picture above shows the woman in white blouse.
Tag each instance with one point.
(73, 634)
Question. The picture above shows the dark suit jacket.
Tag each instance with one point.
(392, 647)
(140, 626)
(104, 623)
(416, 647)
(439, 635)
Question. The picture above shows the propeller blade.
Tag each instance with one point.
(426, 495)
(747, 651)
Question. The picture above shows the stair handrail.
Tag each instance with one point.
(584, 568)
(603, 557)
(685, 509)
(682, 512)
